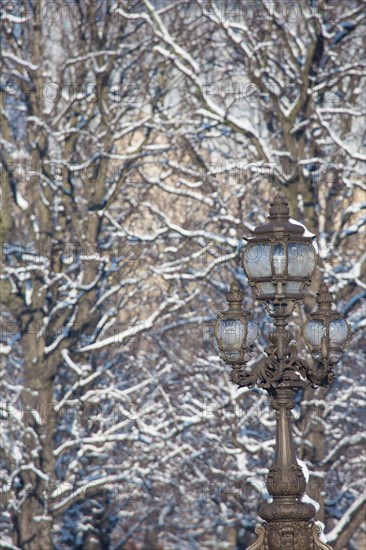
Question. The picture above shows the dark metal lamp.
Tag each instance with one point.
(279, 261)
(234, 331)
(326, 333)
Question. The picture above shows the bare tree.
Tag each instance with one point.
(140, 143)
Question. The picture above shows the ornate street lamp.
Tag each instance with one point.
(279, 261)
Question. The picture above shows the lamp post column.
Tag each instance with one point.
(287, 517)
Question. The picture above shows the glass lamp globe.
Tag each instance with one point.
(279, 260)
(234, 331)
(326, 333)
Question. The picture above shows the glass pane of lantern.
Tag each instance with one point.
(314, 331)
(231, 333)
(301, 259)
(266, 288)
(338, 332)
(252, 334)
(293, 287)
(279, 259)
(257, 260)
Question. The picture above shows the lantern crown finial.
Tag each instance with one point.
(279, 207)
(324, 298)
(235, 294)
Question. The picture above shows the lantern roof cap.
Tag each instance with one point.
(280, 222)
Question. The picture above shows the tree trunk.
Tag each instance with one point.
(34, 524)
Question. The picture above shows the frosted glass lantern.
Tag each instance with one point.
(279, 260)
(234, 331)
(326, 333)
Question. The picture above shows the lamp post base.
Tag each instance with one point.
(288, 536)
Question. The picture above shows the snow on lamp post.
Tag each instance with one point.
(279, 261)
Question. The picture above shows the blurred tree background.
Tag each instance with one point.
(140, 142)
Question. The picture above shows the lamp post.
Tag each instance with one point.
(279, 261)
